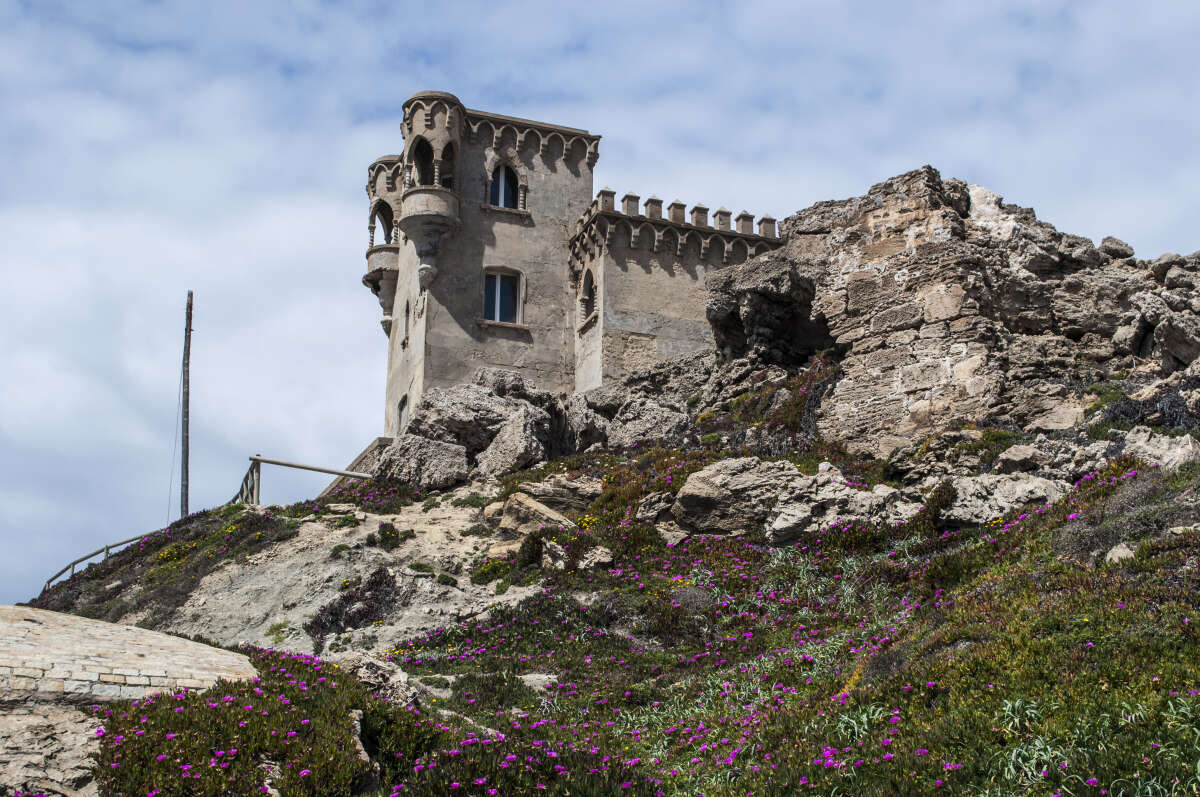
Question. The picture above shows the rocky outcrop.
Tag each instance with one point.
(979, 499)
(562, 494)
(384, 678)
(732, 496)
(950, 306)
(826, 499)
(523, 515)
(1159, 449)
(423, 463)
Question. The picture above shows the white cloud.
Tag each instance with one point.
(155, 147)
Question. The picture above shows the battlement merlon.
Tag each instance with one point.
(594, 230)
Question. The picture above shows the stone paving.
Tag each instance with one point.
(61, 658)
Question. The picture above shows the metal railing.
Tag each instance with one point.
(251, 490)
(106, 550)
(249, 493)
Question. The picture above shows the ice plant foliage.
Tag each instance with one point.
(865, 658)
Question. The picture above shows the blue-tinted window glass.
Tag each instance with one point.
(489, 297)
(508, 298)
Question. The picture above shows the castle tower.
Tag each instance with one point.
(468, 249)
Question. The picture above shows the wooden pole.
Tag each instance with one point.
(187, 355)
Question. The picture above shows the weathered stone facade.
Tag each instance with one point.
(477, 199)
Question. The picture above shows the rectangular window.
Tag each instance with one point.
(501, 297)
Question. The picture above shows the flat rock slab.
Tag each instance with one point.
(48, 657)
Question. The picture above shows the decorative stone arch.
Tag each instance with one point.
(445, 168)
(736, 246)
(381, 214)
(690, 235)
(495, 160)
(588, 295)
(420, 160)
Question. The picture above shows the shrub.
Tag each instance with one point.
(355, 607)
(447, 580)
(338, 550)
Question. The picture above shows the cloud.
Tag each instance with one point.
(153, 147)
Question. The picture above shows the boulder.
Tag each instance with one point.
(584, 426)
(520, 441)
(641, 420)
(1020, 458)
(814, 503)
(1119, 553)
(562, 494)
(523, 515)
(654, 506)
(732, 496)
(554, 557)
(422, 463)
(510, 384)
(1115, 247)
(466, 415)
(979, 499)
(1169, 452)
(382, 677)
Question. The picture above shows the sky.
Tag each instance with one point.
(149, 148)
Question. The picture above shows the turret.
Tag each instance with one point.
(429, 203)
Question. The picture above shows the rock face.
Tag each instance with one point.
(817, 502)
(423, 463)
(950, 305)
(52, 665)
(735, 496)
(732, 496)
(1169, 452)
(979, 499)
(497, 424)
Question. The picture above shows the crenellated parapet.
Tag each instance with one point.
(734, 238)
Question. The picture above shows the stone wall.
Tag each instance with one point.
(650, 274)
(52, 665)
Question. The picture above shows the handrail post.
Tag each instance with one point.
(257, 482)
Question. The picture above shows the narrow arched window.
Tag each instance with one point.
(447, 167)
(587, 297)
(504, 187)
(422, 158)
(381, 224)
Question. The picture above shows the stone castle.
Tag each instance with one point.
(487, 248)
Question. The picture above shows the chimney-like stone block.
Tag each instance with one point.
(766, 227)
(745, 222)
(699, 216)
(629, 204)
(721, 218)
(607, 198)
(654, 208)
(675, 211)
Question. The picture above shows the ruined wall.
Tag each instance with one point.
(950, 307)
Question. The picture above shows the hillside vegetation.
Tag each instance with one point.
(866, 659)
